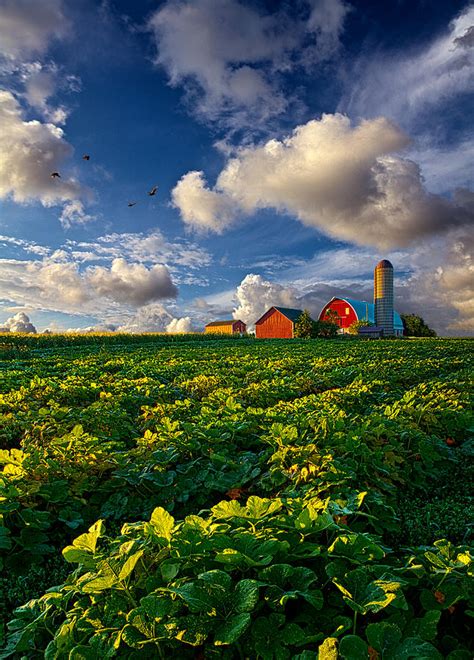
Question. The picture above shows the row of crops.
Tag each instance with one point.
(236, 499)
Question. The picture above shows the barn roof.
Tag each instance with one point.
(365, 311)
(291, 314)
(216, 323)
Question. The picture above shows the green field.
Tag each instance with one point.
(198, 498)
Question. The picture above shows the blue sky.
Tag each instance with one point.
(293, 144)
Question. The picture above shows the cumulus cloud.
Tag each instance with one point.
(20, 322)
(31, 150)
(255, 295)
(134, 284)
(428, 77)
(156, 318)
(443, 281)
(41, 82)
(200, 207)
(344, 180)
(27, 26)
(227, 54)
(58, 284)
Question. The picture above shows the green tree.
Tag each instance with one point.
(414, 326)
(332, 316)
(304, 325)
(324, 329)
(353, 329)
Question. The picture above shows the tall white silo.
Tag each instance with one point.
(383, 296)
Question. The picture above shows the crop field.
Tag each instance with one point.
(252, 499)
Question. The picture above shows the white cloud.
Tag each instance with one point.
(151, 248)
(227, 54)
(55, 283)
(200, 207)
(27, 26)
(405, 87)
(326, 20)
(345, 181)
(73, 213)
(20, 322)
(255, 295)
(156, 318)
(132, 284)
(41, 82)
(31, 151)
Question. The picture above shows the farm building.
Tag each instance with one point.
(231, 327)
(277, 323)
(371, 331)
(345, 311)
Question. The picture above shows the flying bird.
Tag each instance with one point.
(86, 157)
(131, 203)
(55, 175)
(153, 191)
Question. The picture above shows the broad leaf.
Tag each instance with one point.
(232, 629)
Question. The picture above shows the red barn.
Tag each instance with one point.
(344, 311)
(277, 323)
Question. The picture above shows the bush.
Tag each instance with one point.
(353, 329)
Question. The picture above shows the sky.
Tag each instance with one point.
(293, 144)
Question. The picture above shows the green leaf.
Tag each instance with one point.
(88, 541)
(226, 509)
(383, 637)
(169, 570)
(428, 625)
(245, 595)
(356, 547)
(162, 523)
(418, 649)
(75, 555)
(5, 540)
(192, 630)
(459, 654)
(328, 649)
(99, 584)
(130, 564)
(156, 606)
(82, 652)
(132, 637)
(363, 595)
(232, 629)
(312, 520)
(353, 647)
(258, 507)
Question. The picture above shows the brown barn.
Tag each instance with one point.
(231, 327)
(278, 322)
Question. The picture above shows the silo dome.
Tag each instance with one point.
(385, 263)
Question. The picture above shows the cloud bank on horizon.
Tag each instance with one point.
(308, 122)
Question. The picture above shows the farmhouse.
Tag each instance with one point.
(345, 311)
(277, 322)
(231, 327)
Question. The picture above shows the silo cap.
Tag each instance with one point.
(384, 264)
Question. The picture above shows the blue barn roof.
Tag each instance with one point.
(365, 311)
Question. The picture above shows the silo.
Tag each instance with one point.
(383, 296)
